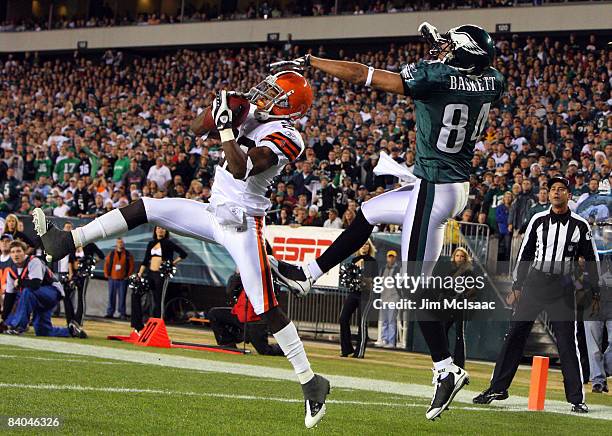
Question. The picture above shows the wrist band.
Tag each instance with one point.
(370, 74)
(226, 135)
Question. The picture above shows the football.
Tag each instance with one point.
(240, 109)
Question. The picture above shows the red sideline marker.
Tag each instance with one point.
(154, 334)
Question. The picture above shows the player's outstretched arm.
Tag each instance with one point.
(353, 72)
(360, 74)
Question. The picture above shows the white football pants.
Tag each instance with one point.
(247, 247)
(422, 208)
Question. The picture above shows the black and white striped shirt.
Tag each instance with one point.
(553, 243)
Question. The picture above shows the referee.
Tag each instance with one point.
(553, 242)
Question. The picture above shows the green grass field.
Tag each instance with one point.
(97, 390)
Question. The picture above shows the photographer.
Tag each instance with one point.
(228, 324)
(31, 288)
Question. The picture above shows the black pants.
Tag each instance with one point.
(77, 291)
(360, 302)
(542, 293)
(459, 352)
(229, 331)
(157, 283)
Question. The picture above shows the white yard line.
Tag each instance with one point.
(113, 390)
(514, 403)
(94, 362)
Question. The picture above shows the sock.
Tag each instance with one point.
(110, 224)
(292, 346)
(314, 270)
(347, 243)
(442, 365)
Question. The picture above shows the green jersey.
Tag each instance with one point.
(68, 165)
(43, 167)
(121, 167)
(451, 112)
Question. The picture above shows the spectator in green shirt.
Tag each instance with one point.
(43, 165)
(122, 165)
(68, 165)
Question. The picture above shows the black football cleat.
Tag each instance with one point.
(489, 395)
(76, 331)
(315, 392)
(292, 276)
(57, 243)
(446, 388)
(580, 408)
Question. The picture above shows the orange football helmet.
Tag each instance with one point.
(284, 95)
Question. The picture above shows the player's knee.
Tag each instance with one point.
(134, 214)
(276, 319)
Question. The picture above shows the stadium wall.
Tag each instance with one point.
(520, 19)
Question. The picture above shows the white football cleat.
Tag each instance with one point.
(446, 388)
(296, 278)
(315, 393)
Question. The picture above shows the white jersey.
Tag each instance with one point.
(232, 198)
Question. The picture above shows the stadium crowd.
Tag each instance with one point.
(229, 10)
(81, 135)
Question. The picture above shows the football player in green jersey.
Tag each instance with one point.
(452, 95)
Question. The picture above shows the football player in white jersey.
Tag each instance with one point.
(234, 218)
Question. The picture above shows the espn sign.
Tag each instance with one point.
(297, 249)
(300, 245)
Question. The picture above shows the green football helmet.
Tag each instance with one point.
(468, 48)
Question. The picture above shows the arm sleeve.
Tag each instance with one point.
(107, 271)
(502, 86)
(287, 144)
(526, 255)
(36, 271)
(96, 250)
(528, 216)
(95, 161)
(57, 171)
(10, 284)
(417, 81)
(588, 250)
(179, 250)
(147, 258)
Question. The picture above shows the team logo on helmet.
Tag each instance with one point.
(466, 42)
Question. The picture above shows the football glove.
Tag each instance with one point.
(221, 113)
(299, 64)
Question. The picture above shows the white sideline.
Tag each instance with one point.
(514, 403)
